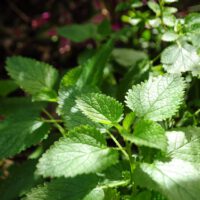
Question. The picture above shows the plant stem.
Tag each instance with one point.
(52, 120)
(115, 184)
(118, 144)
(58, 126)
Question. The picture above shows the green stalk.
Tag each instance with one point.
(58, 126)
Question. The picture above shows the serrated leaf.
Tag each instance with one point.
(78, 32)
(148, 133)
(71, 77)
(82, 187)
(179, 58)
(100, 108)
(179, 177)
(84, 151)
(157, 99)
(21, 179)
(6, 87)
(33, 76)
(21, 130)
(68, 109)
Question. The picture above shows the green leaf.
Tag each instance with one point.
(179, 177)
(184, 143)
(71, 77)
(192, 23)
(82, 187)
(148, 133)
(33, 76)
(21, 130)
(157, 99)
(14, 104)
(169, 36)
(92, 70)
(21, 179)
(154, 7)
(179, 58)
(100, 108)
(84, 151)
(6, 87)
(169, 19)
(127, 57)
(68, 109)
(128, 121)
(78, 32)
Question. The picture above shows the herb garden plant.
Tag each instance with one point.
(124, 124)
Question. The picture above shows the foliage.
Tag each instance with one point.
(124, 124)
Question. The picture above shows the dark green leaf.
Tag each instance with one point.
(82, 187)
(21, 130)
(21, 179)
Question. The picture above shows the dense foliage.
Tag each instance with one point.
(124, 124)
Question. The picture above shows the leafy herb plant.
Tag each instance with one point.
(91, 135)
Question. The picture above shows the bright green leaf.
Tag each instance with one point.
(178, 177)
(82, 187)
(169, 36)
(179, 58)
(33, 76)
(192, 23)
(84, 151)
(21, 130)
(158, 98)
(154, 7)
(100, 108)
(148, 133)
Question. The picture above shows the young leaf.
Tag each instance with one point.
(157, 99)
(100, 108)
(148, 133)
(179, 58)
(82, 187)
(192, 23)
(21, 179)
(33, 76)
(78, 32)
(84, 151)
(21, 130)
(177, 178)
(154, 7)
(68, 109)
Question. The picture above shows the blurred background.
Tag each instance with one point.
(29, 28)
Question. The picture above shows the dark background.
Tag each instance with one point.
(28, 28)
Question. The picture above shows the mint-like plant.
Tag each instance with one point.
(92, 136)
